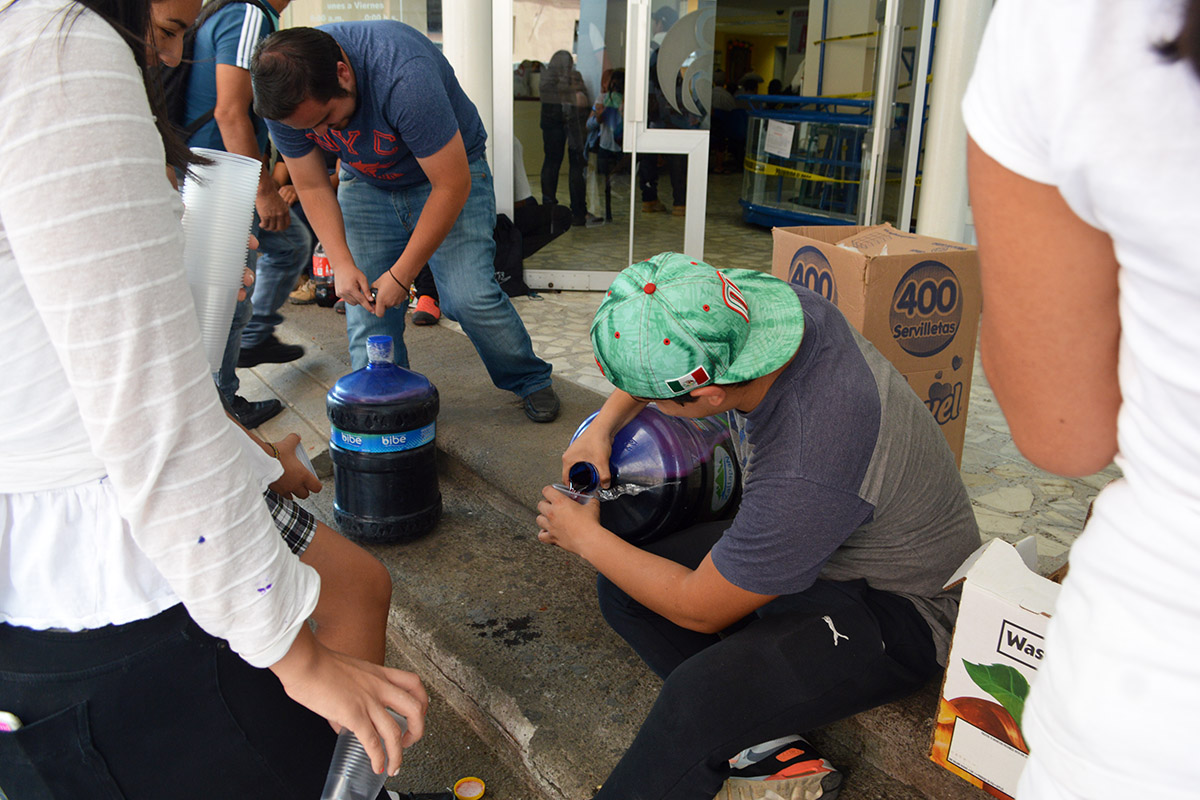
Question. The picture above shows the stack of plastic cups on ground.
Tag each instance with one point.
(218, 213)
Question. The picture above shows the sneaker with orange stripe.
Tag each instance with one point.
(427, 311)
(781, 769)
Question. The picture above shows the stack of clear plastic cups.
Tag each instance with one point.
(218, 214)
(350, 775)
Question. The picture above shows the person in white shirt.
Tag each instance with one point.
(1084, 118)
(143, 581)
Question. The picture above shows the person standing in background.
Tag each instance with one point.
(219, 82)
(415, 187)
(565, 109)
(659, 116)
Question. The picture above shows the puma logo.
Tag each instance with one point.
(836, 635)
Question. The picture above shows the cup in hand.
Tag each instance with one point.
(218, 213)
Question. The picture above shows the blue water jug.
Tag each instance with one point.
(381, 439)
(668, 473)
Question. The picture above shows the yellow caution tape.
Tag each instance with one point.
(763, 168)
(851, 96)
(867, 35)
(847, 38)
(865, 95)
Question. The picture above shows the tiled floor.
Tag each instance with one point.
(1012, 498)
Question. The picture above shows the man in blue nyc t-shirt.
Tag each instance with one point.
(415, 187)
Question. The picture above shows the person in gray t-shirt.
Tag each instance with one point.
(824, 595)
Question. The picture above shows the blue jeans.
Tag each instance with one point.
(226, 377)
(379, 223)
(281, 257)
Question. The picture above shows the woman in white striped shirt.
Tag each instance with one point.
(141, 578)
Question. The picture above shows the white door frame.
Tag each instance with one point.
(637, 137)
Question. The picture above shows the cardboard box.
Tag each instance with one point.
(915, 298)
(994, 657)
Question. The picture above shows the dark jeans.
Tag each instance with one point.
(647, 166)
(554, 144)
(800, 662)
(607, 162)
(152, 709)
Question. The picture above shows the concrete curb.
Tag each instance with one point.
(506, 629)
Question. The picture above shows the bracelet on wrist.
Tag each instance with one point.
(407, 289)
(274, 450)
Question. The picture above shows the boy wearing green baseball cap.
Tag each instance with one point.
(823, 596)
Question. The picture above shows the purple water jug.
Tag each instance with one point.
(668, 473)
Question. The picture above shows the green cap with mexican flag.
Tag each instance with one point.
(671, 324)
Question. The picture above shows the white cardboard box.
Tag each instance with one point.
(994, 657)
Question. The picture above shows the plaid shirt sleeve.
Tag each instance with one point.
(295, 524)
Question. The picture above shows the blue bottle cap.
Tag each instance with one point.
(584, 477)
(379, 349)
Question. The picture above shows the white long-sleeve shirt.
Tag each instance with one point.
(123, 487)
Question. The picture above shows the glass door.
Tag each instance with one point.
(578, 97)
(667, 125)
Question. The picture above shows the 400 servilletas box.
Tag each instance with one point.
(994, 657)
(915, 298)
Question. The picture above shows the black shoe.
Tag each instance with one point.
(270, 351)
(542, 405)
(252, 413)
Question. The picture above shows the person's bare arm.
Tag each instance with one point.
(355, 694)
(594, 445)
(699, 600)
(320, 203)
(1050, 327)
(279, 173)
(232, 115)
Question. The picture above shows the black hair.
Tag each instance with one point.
(291, 66)
(1186, 44)
(131, 20)
(666, 17)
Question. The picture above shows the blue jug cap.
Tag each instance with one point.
(379, 348)
(381, 381)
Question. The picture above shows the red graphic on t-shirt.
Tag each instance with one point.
(385, 144)
(342, 143)
(347, 138)
(373, 170)
(325, 142)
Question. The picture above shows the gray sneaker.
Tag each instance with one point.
(782, 769)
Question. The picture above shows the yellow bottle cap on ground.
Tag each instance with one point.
(468, 789)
